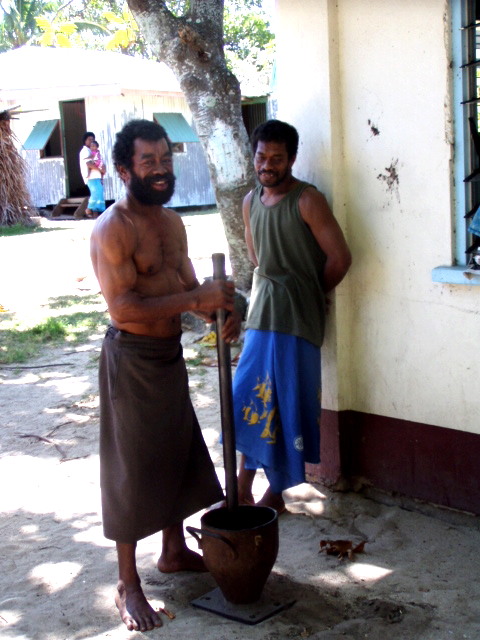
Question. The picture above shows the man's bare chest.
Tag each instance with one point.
(158, 250)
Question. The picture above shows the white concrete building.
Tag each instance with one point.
(375, 88)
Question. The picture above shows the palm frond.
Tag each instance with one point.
(94, 27)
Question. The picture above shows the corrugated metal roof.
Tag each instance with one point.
(40, 135)
(177, 128)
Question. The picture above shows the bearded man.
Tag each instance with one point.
(300, 254)
(154, 464)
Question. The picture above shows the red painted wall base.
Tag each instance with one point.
(416, 460)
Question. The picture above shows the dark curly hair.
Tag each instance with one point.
(88, 134)
(123, 149)
(276, 131)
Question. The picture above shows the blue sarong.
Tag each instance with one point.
(96, 201)
(277, 404)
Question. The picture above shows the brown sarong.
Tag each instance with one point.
(155, 469)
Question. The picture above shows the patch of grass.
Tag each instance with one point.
(81, 324)
(49, 330)
(19, 344)
(194, 361)
(63, 302)
(197, 356)
(21, 230)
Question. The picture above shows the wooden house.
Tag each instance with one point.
(65, 92)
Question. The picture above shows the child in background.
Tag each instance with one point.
(96, 158)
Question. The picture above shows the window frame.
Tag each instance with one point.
(179, 147)
(42, 141)
(55, 142)
(466, 193)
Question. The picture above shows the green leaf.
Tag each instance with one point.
(85, 25)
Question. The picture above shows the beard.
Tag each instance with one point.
(145, 193)
(271, 179)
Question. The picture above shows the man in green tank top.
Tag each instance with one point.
(300, 254)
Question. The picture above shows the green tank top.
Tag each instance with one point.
(287, 294)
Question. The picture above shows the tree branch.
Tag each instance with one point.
(157, 8)
(157, 23)
(64, 6)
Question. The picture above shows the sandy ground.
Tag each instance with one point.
(416, 579)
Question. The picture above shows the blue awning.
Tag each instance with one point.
(177, 128)
(40, 135)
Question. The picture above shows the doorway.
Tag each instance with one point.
(74, 125)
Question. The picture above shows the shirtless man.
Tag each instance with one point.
(155, 467)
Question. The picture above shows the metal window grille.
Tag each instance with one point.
(470, 71)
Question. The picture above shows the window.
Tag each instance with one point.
(178, 130)
(45, 138)
(178, 147)
(466, 96)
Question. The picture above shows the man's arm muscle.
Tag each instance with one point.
(113, 248)
(318, 216)
(186, 272)
(248, 233)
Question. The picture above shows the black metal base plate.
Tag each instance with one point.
(253, 613)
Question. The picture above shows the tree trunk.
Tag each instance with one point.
(192, 46)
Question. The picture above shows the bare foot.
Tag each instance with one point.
(134, 609)
(274, 500)
(184, 560)
(245, 495)
(245, 483)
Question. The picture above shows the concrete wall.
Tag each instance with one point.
(367, 84)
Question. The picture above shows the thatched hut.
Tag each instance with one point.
(15, 203)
